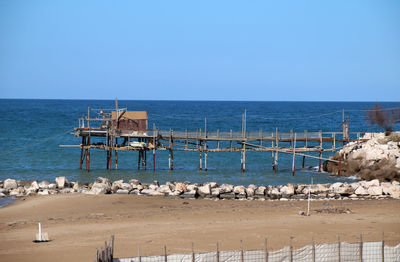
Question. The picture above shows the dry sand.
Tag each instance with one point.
(78, 224)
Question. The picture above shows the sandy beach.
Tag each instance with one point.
(78, 224)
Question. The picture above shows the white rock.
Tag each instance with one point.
(44, 192)
(287, 190)
(239, 190)
(250, 192)
(10, 184)
(374, 182)
(17, 191)
(204, 190)
(226, 188)
(375, 190)
(44, 184)
(122, 191)
(52, 186)
(181, 187)
(62, 182)
(260, 190)
(191, 187)
(361, 191)
(165, 189)
(153, 187)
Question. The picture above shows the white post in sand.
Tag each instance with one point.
(40, 232)
(309, 197)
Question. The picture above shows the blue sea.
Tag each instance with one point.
(32, 130)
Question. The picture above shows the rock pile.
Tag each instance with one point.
(375, 157)
(210, 190)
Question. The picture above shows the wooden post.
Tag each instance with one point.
(320, 151)
(276, 166)
(241, 251)
(294, 154)
(170, 155)
(205, 144)
(231, 141)
(88, 154)
(272, 154)
(266, 250)
(339, 246)
(165, 253)
(139, 159)
(140, 258)
(333, 141)
(201, 161)
(304, 161)
(306, 140)
(217, 255)
(193, 258)
(218, 139)
(186, 139)
(383, 247)
(291, 249)
(154, 147)
(116, 159)
(313, 250)
(81, 159)
(361, 248)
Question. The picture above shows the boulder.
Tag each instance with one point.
(101, 186)
(181, 187)
(215, 192)
(20, 191)
(10, 184)
(44, 184)
(134, 182)
(226, 188)
(44, 192)
(204, 190)
(374, 182)
(287, 190)
(260, 191)
(122, 191)
(189, 194)
(241, 190)
(147, 191)
(153, 187)
(166, 190)
(361, 191)
(4, 191)
(78, 186)
(375, 190)
(66, 190)
(191, 187)
(250, 192)
(230, 195)
(62, 182)
(52, 186)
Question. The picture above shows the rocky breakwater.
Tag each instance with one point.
(210, 190)
(375, 156)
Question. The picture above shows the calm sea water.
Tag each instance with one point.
(32, 130)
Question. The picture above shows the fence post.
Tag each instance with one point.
(140, 258)
(192, 252)
(383, 247)
(165, 253)
(339, 259)
(112, 247)
(313, 249)
(361, 248)
(266, 250)
(217, 253)
(97, 256)
(241, 251)
(291, 249)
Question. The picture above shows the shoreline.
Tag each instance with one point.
(77, 224)
(373, 189)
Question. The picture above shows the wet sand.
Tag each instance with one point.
(78, 224)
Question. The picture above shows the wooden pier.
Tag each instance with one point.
(117, 136)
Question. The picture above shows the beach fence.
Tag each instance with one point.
(106, 254)
(332, 252)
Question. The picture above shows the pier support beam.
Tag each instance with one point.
(201, 160)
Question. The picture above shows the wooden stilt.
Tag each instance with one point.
(154, 146)
(201, 161)
(304, 161)
(145, 159)
(116, 159)
(276, 166)
(319, 160)
(139, 159)
(294, 154)
(116, 154)
(205, 160)
(81, 159)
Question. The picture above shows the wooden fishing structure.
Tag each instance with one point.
(123, 130)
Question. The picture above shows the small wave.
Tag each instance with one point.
(355, 177)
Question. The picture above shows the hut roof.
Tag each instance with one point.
(135, 115)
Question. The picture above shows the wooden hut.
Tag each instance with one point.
(130, 120)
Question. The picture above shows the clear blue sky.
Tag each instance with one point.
(201, 50)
